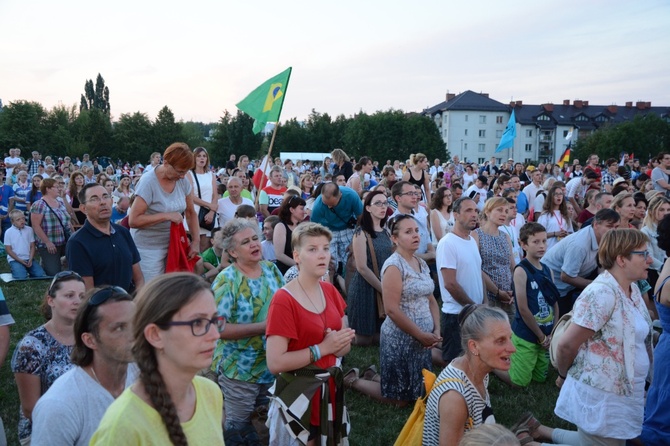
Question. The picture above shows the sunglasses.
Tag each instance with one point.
(61, 277)
(103, 295)
(397, 219)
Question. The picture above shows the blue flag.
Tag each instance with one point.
(507, 140)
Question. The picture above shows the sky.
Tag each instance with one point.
(201, 57)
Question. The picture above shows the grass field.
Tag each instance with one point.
(372, 423)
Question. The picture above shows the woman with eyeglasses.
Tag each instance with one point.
(412, 325)
(555, 217)
(364, 291)
(161, 198)
(50, 220)
(176, 328)
(605, 354)
(306, 336)
(243, 292)
(44, 353)
(441, 216)
(291, 213)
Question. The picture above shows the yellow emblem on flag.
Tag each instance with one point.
(274, 93)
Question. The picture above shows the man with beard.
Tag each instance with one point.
(460, 274)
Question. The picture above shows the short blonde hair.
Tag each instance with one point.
(304, 230)
(619, 242)
(489, 435)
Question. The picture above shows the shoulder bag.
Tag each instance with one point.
(203, 210)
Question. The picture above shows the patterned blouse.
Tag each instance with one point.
(51, 225)
(242, 300)
(39, 353)
(606, 361)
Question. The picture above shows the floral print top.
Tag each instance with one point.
(39, 353)
(606, 360)
(242, 300)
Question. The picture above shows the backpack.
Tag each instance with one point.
(412, 432)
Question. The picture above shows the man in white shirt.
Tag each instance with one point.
(576, 188)
(70, 411)
(407, 197)
(12, 161)
(533, 188)
(434, 169)
(228, 205)
(459, 274)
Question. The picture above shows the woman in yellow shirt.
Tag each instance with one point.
(176, 327)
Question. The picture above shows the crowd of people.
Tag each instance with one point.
(456, 265)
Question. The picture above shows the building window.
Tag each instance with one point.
(565, 133)
(499, 161)
(466, 132)
(480, 160)
(482, 119)
(482, 147)
(581, 118)
(465, 146)
(527, 160)
(543, 118)
(529, 133)
(466, 118)
(482, 133)
(601, 118)
(529, 147)
(499, 119)
(499, 133)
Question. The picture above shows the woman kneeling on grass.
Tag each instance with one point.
(459, 401)
(306, 334)
(175, 328)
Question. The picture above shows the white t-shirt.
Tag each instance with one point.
(453, 252)
(469, 179)
(19, 240)
(70, 411)
(11, 160)
(268, 250)
(226, 209)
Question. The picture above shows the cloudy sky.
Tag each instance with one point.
(200, 57)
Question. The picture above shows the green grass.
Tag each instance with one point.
(372, 423)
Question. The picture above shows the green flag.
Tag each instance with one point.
(265, 102)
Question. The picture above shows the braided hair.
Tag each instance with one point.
(157, 302)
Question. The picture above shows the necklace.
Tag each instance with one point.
(321, 314)
(95, 377)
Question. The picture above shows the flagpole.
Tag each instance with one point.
(263, 176)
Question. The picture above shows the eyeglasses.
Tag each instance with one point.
(62, 276)
(95, 199)
(380, 204)
(200, 326)
(181, 173)
(411, 194)
(644, 253)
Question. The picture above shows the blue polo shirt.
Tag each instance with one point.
(109, 259)
(336, 218)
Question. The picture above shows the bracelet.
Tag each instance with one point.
(318, 352)
(312, 354)
(561, 376)
(543, 340)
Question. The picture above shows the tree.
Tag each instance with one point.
(22, 125)
(133, 137)
(166, 130)
(59, 126)
(234, 135)
(292, 136)
(95, 98)
(92, 133)
(645, 136)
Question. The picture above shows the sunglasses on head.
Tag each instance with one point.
(103, 295)
(397, 219)
(60, 277)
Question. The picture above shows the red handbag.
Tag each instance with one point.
(177, 255)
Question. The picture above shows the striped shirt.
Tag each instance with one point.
(479, 409)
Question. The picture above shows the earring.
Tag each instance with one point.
(475, 353)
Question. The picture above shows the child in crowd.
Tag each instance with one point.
(20, 247)
(213, 259)
(246, 211)
(268, 232)
(536, 309)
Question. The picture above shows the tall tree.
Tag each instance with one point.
(95, 98)
(166, 130)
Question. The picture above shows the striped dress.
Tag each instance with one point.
(479, 408)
